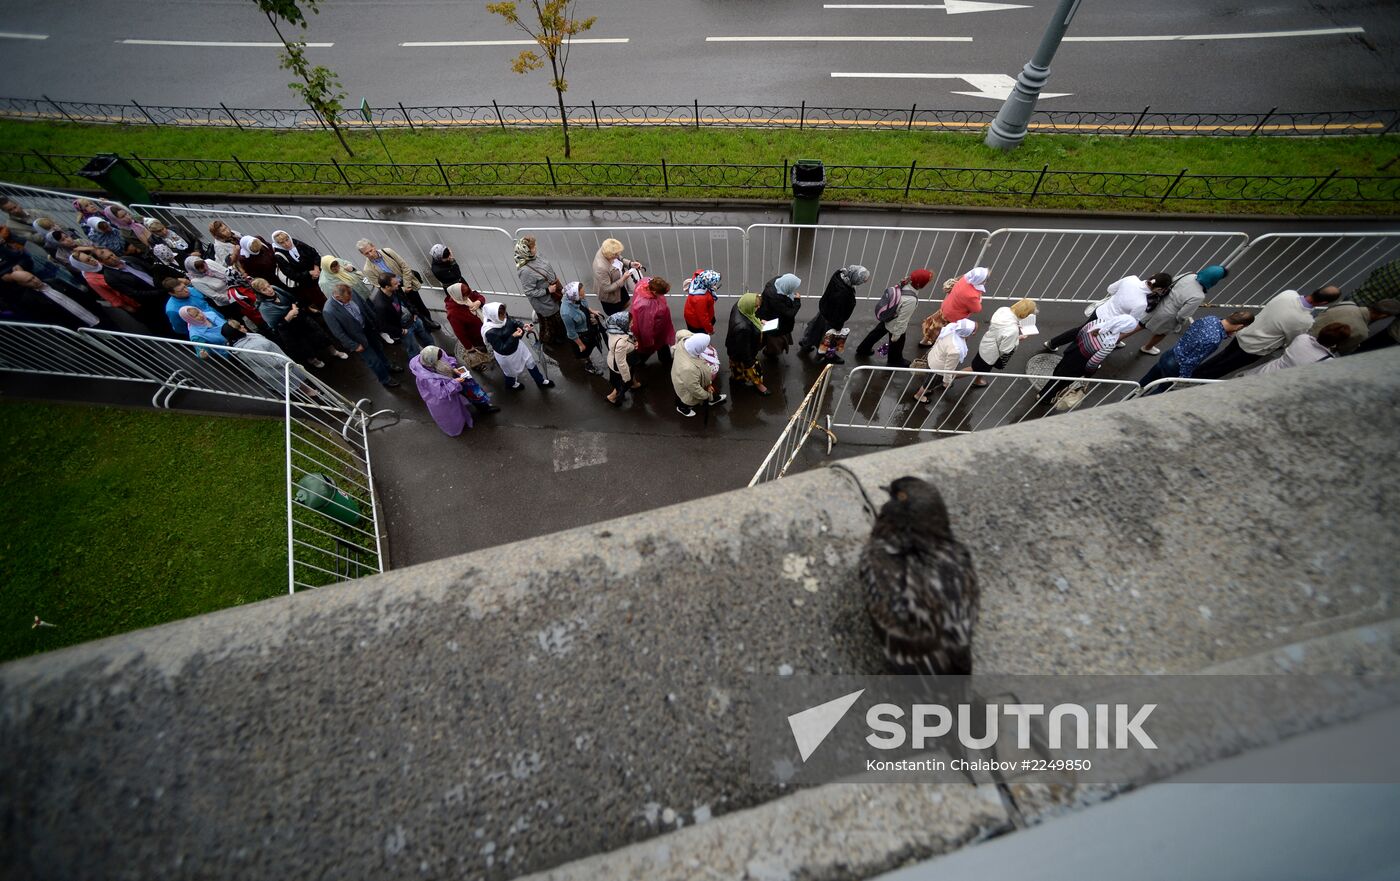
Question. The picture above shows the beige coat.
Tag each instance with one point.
(396, 264)
(607, 282)
(619, 347)
(689, 374)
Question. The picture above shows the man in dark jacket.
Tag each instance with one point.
(397, 318)
(136, 282)
(351, 321)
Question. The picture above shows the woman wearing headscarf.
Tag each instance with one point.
(1001, 339)
(255, 258)
(441, 386)
(1174, 311)
(1094, 343)
(86, 208)
(781, 300)
(300, 336)
(123, 310)
(700, 296)
(464, 314)
(743, 341)
(897, 325)
(213, 282)
(298, 265)
(160, 234)
(203, 327)
(621, 345)
(694, 369)
(827, 331)
(102, 234)
(541, 286)
(126, 224)
(948, 353)
(506, 337)
(335, 271)
(651, 320)
(964, 299)
(578, 325)
(59, 243)
(444, 266)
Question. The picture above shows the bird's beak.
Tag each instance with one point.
(885, 489)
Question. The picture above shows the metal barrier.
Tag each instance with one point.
(815, 252)
(330, 483)
(672, 252)
(195, 220)
(1302, 262)
(1075, 265)
(804, 421)
(882, 398)
(484, 253)
(326, 432)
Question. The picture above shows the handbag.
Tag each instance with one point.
(1071, 397)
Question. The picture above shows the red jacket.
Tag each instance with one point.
(651, 320)
(700, 312)
(963, 300)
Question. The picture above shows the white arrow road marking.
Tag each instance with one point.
(1164, 38)
(7, 35)
(952, 7)
(810, 727)
(988, 85)
(841, 39)
(576, 41)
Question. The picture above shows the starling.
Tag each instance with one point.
(921, 589)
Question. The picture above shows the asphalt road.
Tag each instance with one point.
(668, 57)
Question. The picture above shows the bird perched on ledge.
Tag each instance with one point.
(921, 588)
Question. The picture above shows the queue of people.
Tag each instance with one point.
(264, 298)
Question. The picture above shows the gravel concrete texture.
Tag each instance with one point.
(526, 705)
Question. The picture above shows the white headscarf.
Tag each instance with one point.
(489, 317)
(571, 292)
(292, 250)
(698, 345)
(959, 331)
(976, 277)
(244, 246)
(436, 251)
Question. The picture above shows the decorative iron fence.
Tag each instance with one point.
(602, 178)
(1130, 123)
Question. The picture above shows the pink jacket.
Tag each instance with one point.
(651, 320)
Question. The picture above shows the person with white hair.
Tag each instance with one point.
(381, 261)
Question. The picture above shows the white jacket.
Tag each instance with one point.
(1002, 337)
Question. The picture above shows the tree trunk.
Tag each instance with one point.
(559, 93)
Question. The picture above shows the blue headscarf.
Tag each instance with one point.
(787, 284)
(1210, 275)
(706, 282)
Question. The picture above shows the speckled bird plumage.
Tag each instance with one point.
(921, 587)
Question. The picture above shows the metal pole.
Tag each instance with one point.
(442, 171)
(59, 108)
(912, 110)
(499, 118)
(406, 117)
(802, 117)
(1171, 189)
(230, 115)
(1317, 189)
(148, 116)
(697, 112)
(665, 181)
(909, 181)
(1264, 119)
(1008, 130)
(1044, 170)
(550, 166)
(596, 123)
(1138, 122)
(244, 169)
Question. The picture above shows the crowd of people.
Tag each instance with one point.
(107, 268)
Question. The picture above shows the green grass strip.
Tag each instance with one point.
(118, 519)
(1349, 156)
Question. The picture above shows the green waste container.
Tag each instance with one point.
(318, 493)
(808, 184)
(117, 178)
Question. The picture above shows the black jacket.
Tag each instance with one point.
(838, 301)
(502, 339)
(742, 340)
(447, 272)
(394, 321)
(296, 274)
(774, 305)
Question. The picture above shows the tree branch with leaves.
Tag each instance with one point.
(319, 87)
(552, 26)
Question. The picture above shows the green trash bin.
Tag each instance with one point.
(318, 493)
(808, 184)
(116, 177)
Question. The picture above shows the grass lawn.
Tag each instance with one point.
(1351, 156)
(120, 519)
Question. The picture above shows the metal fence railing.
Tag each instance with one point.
(805, 419)
(672, 252)
(1128, 123)
(1066, 265)
(1303, 262)
(326, 432)
(684, 179)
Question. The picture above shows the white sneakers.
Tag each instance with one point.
(1150, 350)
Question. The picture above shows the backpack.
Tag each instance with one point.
(889, 303)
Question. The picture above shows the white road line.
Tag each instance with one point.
(216, 43)
(6, 35)
(952, 7)
(578, 41)
(1257, 36)
(838, 39)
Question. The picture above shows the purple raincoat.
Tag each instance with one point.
(443, 396)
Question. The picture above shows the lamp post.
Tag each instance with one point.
(1009, 128)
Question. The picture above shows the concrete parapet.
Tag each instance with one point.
(518, 708)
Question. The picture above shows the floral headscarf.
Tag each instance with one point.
(706, 282)
(571, 292)
(523, 254)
